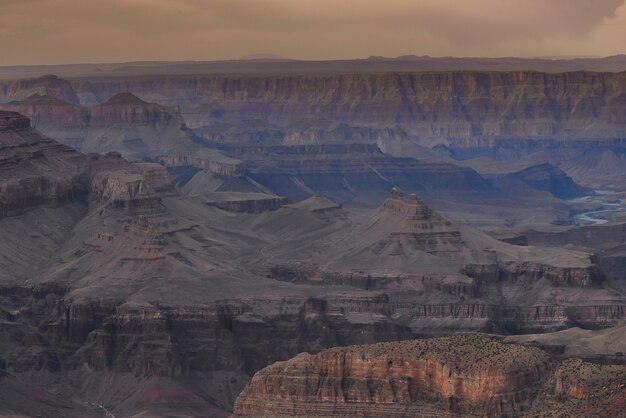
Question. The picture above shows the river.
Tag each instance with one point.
(599, 216)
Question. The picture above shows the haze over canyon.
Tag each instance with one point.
(435, 235)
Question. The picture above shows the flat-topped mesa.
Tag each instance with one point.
(134, 187)
(461, 374)
(416, 214)
(245, 202)
(127, 109)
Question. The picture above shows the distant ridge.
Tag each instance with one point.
(270, 63)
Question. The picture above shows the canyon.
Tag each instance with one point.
(313, 243)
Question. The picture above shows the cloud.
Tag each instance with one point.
(54, 31)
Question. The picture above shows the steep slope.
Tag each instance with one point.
(462, 375)
(43, 188)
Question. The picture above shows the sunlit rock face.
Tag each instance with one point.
(462, 375)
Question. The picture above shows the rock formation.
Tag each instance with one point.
(35, 170)
(461, 375)
(49, 113)
(48, 85)
(460, 106)
(245, 202)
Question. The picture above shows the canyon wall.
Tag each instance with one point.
(463, 375)
(519, 104)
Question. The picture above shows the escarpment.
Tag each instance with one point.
(455, 108)
(463, 105)
(461, 375)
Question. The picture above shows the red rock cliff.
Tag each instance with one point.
(466, 374)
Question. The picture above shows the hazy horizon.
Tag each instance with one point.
(44, 32)
(282, 58)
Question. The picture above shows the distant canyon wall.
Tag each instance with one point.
(465, 104)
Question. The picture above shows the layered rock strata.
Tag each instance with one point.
(468, 104)
(245, 202)
(36, 170)
(467, 374)
(461, 375)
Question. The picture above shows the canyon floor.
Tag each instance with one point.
(302, 243)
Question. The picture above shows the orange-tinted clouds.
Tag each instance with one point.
(63, 31)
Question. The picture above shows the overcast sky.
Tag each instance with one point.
(73, 31)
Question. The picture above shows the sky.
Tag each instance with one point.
(93, 31)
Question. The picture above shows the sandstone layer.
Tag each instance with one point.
(462, 375)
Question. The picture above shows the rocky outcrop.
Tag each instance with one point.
(13, 122)
(36, 170)
(137, 188)
(464, 374)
